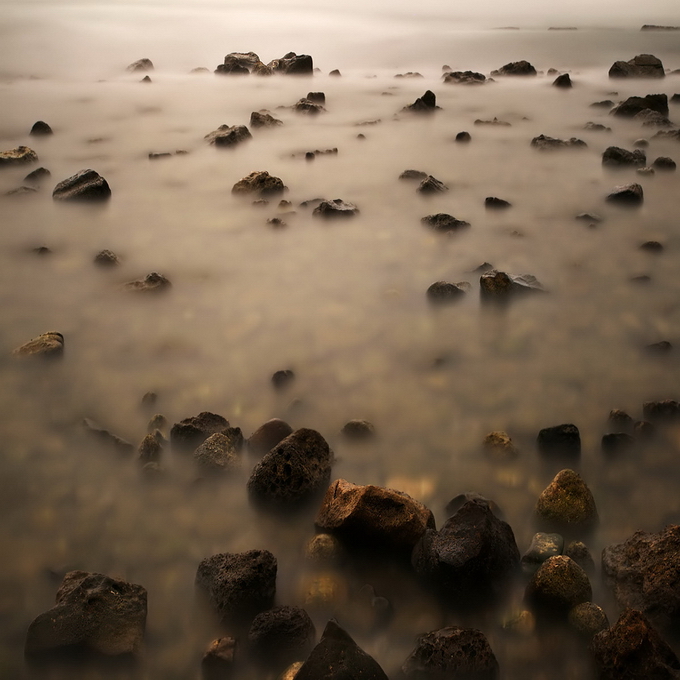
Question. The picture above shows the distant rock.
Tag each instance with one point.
(151, 283)
(409, 74)
(106, 437)
(146, 79)
(667, 410)
(307, 106)
(495, 284)
(238, 63)
(444, 222)
(37, 175)
(218, 659)
(499, 446)
(626, 195)
(106, 258)
(464, 78)
(260, 119)
(219, 453)
(563, 81)
(442, 291)
(604, 104)
(664, 163)
(260, 183)
(653, 27)
(560, 441)
(335, 208)
(650, 118)
(283, 378)
(641, 66)
(192, 432)
(544, 143)
(48, 345)
(358, 430)
(633, 105)
(18, 156)
(267, 436)
(226, 135)
(515, 68)
(596, 127)
(494, 122)
(425, 104)
(140, 65)
(86, 185)
(293, 64)
(418, 175)
(431, 185)
(495, 203)
(463, 137)
(335, 73)
(40, 128)
(614, 156)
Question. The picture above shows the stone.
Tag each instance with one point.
(667, 410)
(470, 559)
(18, 156)
(140, 65)
(454, 653)
(641, 66)
(588, 619)
(425, 104)
(191, 432)
(633, 105)
(567, 505)
(409, 74)
(260, 183)
(151, 283)
(292, 670)
(563, 81)
(558, 585)
(616, 443)
(634, 650)
(238, 585)
(650, 118)
(150, 450)
(218, 659)
(37, 175)
(644, 573)
(443, 292)
(499, 447)
(260, 119)
(604, 104)
(305, 105)
(335, 72)
(544, 143)
(560, 441)
(578, 551)
(589, 217)
(157, 422)
(283, 378)
(495, 203)
(373, 517)
(652, 27)
(268, 435)
(493, 122)
(324, 548)
(219, 453)
(596, 127)
(39, 128)
(464, 78)
(463, 137)
(226, 135)
(543, 546)
(515, 68)
(497, 285)
(620, 419)
(335, 208)
(281, 635)
(86, 185)
(106, 258)
(108, 438)
(641, 143)
(457, 502)
(317, 97)
(614, 156)
(431, 185)
(22, 191)
(418, 175)
(146, 79)
(293, 64)
(444, 222)
(93, 613)
(293, 473)
(630, 195)
(238, 63)
(49, 345)
(664, 163)
(358, 430)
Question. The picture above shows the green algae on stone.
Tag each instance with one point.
(567, 504)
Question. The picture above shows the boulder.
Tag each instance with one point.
(283, 378)
(149, 450)
(650, 118)
(562, 441)
(48, 345)
(588, 619)
(464, 78)
(493, 122)
(444, 222)
(305, 105)
(93, 613)
(499, 285)
(515, 68)
(294, 472)
(40, 128)
(558, 586)
(543, 546)
(358, 430)
(37, 175)
(260, 183)
(86, 185)
(293, 64)
(106, 258)
(452, 653)
(443, 291)
(495, 203)
(281, 635)
(373, 517)
(151, 283)
(220, 451)
(632, 649)
(418, 175)
(633, 105)
(664, 163)
(463, 137)
(567, 505)
(596, 127)
(641, 66)
(544, 143)
(667, 410)
(192, 432)
(18, 156)
(563, 81)
(106, 437)
(626, 195)
(470, 558)
(140, 65)
(616, 443)
(604, 104)
(218, 659)
(238, 63)
(457, 502)
(431, 185)
(268, 435)
(425, 104)
(260, 119)
(238, 585)
(226, 135)
(617, 157)
(335, 208)
(644, 573)
(498, 446)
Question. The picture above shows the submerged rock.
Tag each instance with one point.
(358, 430)
(192, 432)
(563, 81)
(515, 68)
(499, 285)
(667, 410)
(219, 453)
(425, 104)
(106, 258)
(615, 156)
(226, 135)
(260, 119)
(18, 156)
(463, 137)
(562, 441)
(86, 185)
(218, 659)
(588, 619)
(151, 283)
(260, 183)
(664, 163)
(305, 105)
(543, 546)
(293, 64)
(495, 203)
(48, 345)
(40, 128)
(567, 505)
(335, 208)
(268, 435)
(418, 175)
(626, 195)
(558, 586)
(431, 185)
(150, 450)
(498, 446)
(544, 143)
(443, 291)
(464, 78)
(140, 65)
(633, 105)
(444, 222)
(37, 175)
(641, 66)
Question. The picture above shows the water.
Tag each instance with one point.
(342, 304)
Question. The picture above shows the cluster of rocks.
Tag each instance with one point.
(239, 63)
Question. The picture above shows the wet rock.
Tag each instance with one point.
(86, 185)
(499, 447)
(664, 163)
(443, 292)
(305, 105)
(238, 585)
(268, 435)
(644, 573)
(293, 64)
(457, 502)
(650, 118)
(260, 119)
(587, 619)
(626, 195)
(463, 137)
(219, 453)
(335, 208)
(413, 175)
(641, 66)
(140, 65)
(543, 546)
(667, 410)
(544, 143)
(499, 285)
(292, 670)
(444, 222)
(558, 585)
(515, 68)
(324, 548)
(453, 653)
(37, 175)
(620, 419)
(614, 156)
(596, 127)
(259, 182)
(150, 450)
(464, 78)
(218, 659)
(358, 430)
(18, 156)
(604, 104)
(425, 104)
(615, 443)
(563, 81)
(335, 72)
(560, 441)
(192, 432)
(151, 283)
(373, 517)
(567, 505)
(668, 134)
(226, 135)
(283, 378)
(106, 258)
(49, 345)
(578, 551)
(93, 613)
(470, 558)
(494, 203)
(493, 122)
(633, 105)
(103, 435)
(293, 473)
(337, 656)
(659, 348)
(39, 128)
(632, 649)
(431, 185)
(279, 636)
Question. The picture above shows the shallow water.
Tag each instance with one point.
(342, 304)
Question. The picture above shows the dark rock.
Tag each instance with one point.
(604, 104)
(293, 64)
(316, 97)
(498, 445)
(226, 135)
(150, 450)
(219, 453)
(650, 118)
(668, 134)
(664, 163)
(470, 558)
(463, 137)
(268, 435)
(140, 65)
(464, 78)
(620, 419)
(452, 653)
(93, 613)
(281, 635)
(578, 551)
(259, 182)
(49, 345)
(626, 195)
(425, 104)
(157, 422)
(633, 650)
(335, 208)
(652, 27)
(218, 660)
(324, 548)
(543, 546)
(149, 399)
(238, 585)
(191, 432)
(587, 619)
(675, 99)
(558, 585)
(151, 283)
(633, 105)
(652, 246)
(18, 156)
(567, 505)
(106, 258)
(307, 106)
(494, 203)
(443, 292)
(457, 502)
(146, 79)
(358, 430)
(515, 68)
(596, 127)
(293, 473)
(338, 657)
(657, 348)
(563, 81)
(22, 191)
(86, 185)
(499, 285)
(431, 185)
(373, 517)
(200, 70)
(283, 378)
(103, 435)
(37, 175)
(413, 175)
(493, 122)
(644, 573)
(614, 443)
(667, 410)
(614, 156)
(641, 143)
(410, 74)
(444, 222)
(260, 119)
(641, 66)
(41, 250)
(335, 73)
(544, 143)
(153, 156)
(40, 128)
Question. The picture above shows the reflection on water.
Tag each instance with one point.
(341, 303)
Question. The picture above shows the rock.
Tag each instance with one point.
(464, 78)
(494, 122)
(335, 208)
(238, 63)
(259, 182)
(453, 653)
(615, 443)
(335, 72)
(282, 379)
(644, 573)
(578, 551)
(316, 97)
(305, 105)
(338, 657)
(293, 64)
(668, 134)
(543, 546)
(626, 195)
(373, 517)
(596, 127)
(268, 435)
(238, 585)
(444, 222)
(667, 410)
(106, 258)
(515, 68)
(293, 473)
(632, 649)
(463, 137)
(157, 422)
(614, 156)
(559, 440)
(567, 505)
(41, 250)
(563, 81)
(108, 438)
(39, 128)
(279, 636)
(291, 672)
(589, 217)
(358, 430)
(425, 104)
(151, 283)
(86, 185)
(443, 291)
(146, 79)
(226, 135)
(652, 27)
(431, 185)
(620, 419)
(664, 163)
(324, 548)
(37, 175)
(641, 66)
(499, 285)
(149, 399)
(140, 65)
(410, 74)
(641, 143)
(260, 119)
(192, 432)
(658, 348)
(48, 345)
(470, 558)
(22, 191)
(675, 99)
(650, 118)
(587, 619)
(18, 156)
(558, 585)
(494, 203)
(544, 143)
(219, 453)
(604, 104)
(457, 502)
(498, 446)
(218, 659)
(633, 105)
(413, 175)
(93, 613)
(150, 450)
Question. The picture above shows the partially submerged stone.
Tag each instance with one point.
(498, 446)
(563, 81)
(49, 345)
(560, 441)
(633, 105)
(495, 284)
(106, 258)
(293, 64)
(151, 283)
(444, 222)
(545, 143)
(358, 430)
(641, 66)
(626, 195)
(259, 182)
(308, 106)
(140, 65)
(37, 175)
(260, 119)
(425, 104)
(268, 435)
(615, 156)
(335, 208)
(543, 546)
(18, 156)
(588, 619)
(567, 505)
(227, 135)
(219, 453)
(515, 68)
(418, 175)
(86, 185)
(444, 291)
(495, 203)
(558, 586)
(464, 78)
(192, 432)
(431, 185)
(40, 128)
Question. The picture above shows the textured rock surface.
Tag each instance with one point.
(220, 451)
(268, 435)
(641, 66)
(444, 222)
(281, 635)
(562, 441)
(515, 68)
(545, 143)
(86, 185)
(558, 585)
(615, 156)
(50, 344)
(500, 285)
(567, 504)
(627, 195)
(192, 432)
(18, 156)
(259, 182)
(228, 135)
(335, 208)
